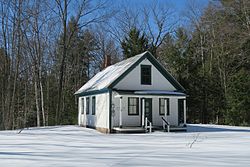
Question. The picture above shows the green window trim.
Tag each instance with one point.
(162, 106)
(133, 106)
(146, 75)
(93, 105)
(87, 105)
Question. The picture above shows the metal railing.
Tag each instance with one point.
(165, 122)
(146, 125)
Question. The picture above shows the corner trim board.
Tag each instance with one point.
(110, 110)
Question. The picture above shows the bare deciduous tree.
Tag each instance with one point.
(86, 13)
(158, 21)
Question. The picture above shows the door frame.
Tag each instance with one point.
(150, 106)
(180, 111)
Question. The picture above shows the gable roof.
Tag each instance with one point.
(111, 75)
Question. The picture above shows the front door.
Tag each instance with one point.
(148, 108)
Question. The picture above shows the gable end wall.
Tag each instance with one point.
(132, 81)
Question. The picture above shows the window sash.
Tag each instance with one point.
(162, 106)
(133, 106)
(146, 74)
(87, 105)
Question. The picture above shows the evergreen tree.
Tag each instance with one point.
(134, 44)
(239, 99)
(212, 63)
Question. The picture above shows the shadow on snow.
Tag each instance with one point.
(200, 128)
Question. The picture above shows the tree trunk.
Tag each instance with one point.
(25, 102)
(37, 101)
(42, 102)
(48, 102)
(62, 66)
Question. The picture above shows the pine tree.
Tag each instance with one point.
(134, 44)
(239, 99)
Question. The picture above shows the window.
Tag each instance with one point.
(87, 105)
(145, 74)
(133, 106)
(93, 105)
(82, 109)
(162, 106)
(181, 111)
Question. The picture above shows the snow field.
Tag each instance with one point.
(65, 146)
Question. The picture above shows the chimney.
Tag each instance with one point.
(107, 61)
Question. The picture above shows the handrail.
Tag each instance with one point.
(146, 125)
(166, 123)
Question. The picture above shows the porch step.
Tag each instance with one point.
(142, 130)
(129, 130)
(172, 128)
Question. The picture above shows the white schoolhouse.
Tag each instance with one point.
(134, 94)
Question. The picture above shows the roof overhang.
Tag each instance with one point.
(151, 93)
(159, 92)
(92, 92)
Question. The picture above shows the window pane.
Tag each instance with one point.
(162, 102)
(132, 101)
(133, 110)
(130, 109)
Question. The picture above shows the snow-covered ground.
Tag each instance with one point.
(71, 146)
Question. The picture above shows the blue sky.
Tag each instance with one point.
(179, 6)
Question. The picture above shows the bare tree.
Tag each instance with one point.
(155, 21)
(85, 14)
(107, 50)
(122, 22)
(158, 22)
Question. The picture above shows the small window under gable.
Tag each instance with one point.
(146, 74)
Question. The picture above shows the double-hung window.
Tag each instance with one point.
(162, 106)
(87, 105)
(133, 106)
(146, 74)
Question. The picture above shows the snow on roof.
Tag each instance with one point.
(160, 92)
(107, 76)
